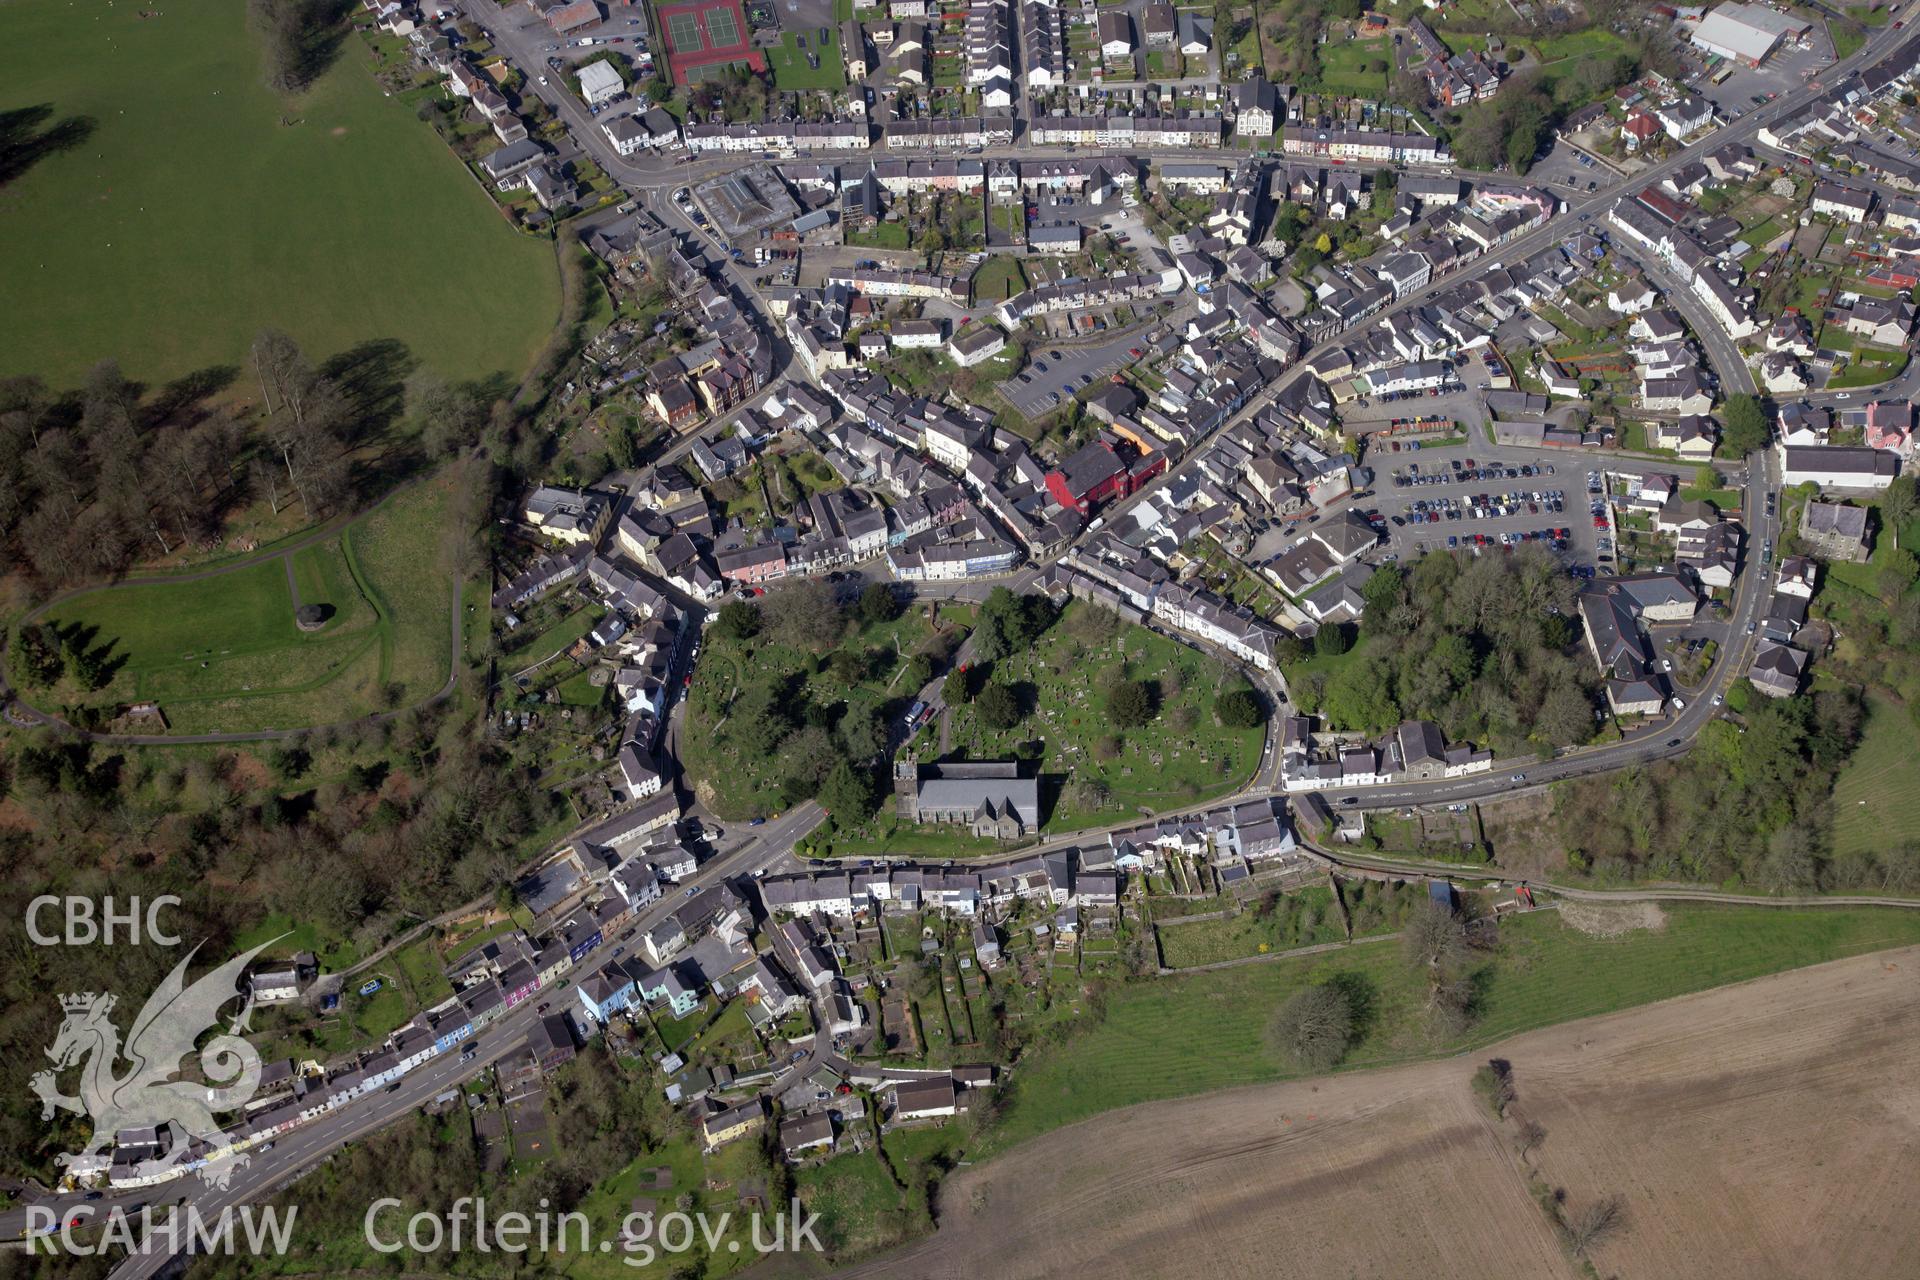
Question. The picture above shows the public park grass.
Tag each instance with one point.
(203, 207)
(1184, 1035)
(221, 653)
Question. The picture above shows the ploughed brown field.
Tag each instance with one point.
(1767, 1129)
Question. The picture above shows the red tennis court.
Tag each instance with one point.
(699, 34)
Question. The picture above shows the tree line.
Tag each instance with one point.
(100, 478)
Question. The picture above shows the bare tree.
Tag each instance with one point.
(1435, 938)
(1532, 1133)
(282, 370)
(266, 482)
(1594, 1224)
(57, 464)
(1314, 1027)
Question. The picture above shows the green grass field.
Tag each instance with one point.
(1876, 800)
(192, 216)
(1177, 1036)
(790, 69)
(221, 653)
(1345, 68)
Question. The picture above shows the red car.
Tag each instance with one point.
(1135, 352)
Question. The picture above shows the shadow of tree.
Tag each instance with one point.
(302, 38)
(189, 392)
(27, 137)
(372, 377)
(1363, 1002)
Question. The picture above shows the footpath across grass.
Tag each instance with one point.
(1171, 1037)
(196, 207)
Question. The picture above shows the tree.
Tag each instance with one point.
(1314, 1028)
(1593, 1224)
(1897, 503)
(1332, 640)
(999, 707)
(1239, 709)
(450, 417)
(1897, 572)
(848, 793)
(864, 734)
(1130, 703)
(759, 719)
(804, 614)
(1744, 425)
(738, 619)
(957, 689)
(658, 91)
(1566, 717)
(878, 604)
(919, 671)
(1434, 938)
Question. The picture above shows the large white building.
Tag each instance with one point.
(1747, 32)
(1838, 467)
(600, 82)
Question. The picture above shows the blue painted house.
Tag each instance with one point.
(606, 993)
(450, 1028)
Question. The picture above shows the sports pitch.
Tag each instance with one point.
(704, 36)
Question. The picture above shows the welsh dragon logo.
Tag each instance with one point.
(172, 1021)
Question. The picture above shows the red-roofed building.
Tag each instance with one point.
(1666, 206)
(1106, 467)
(567, 15)
(1640, 127)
